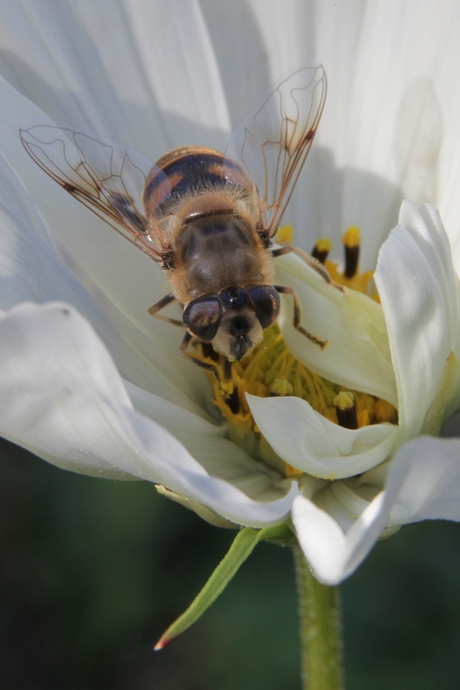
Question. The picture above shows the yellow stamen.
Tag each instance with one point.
(351, 277)
(352, 237)
(345, 400)
(321, 249)
(285, 234)
(324, 244)
(281, 387)
(346, 410)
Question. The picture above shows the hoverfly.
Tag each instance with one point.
(206, 218)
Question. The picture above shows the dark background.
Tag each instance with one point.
(93, 571)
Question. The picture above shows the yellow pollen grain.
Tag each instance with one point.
(292, 471)
(285, 234)
(323, 245)
(281, 387)
(352, 237)
(345, 400)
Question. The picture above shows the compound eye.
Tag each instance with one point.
(266, 303)
(202, 318)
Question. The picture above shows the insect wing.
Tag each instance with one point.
(105, 176)
(275, 137)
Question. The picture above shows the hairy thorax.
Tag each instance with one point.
(217, 250)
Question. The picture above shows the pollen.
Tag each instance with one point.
(352, 237)
(322, 249)
(285, 234)
(270, 370)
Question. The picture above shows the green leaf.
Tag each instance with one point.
(243, 545)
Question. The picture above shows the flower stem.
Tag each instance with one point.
(320, 630)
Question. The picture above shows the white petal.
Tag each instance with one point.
(426, 472)
(419, 292)
(53, 405)
(313, 444)
(332, 554)
(62, 398)
(171, 465)
(346, 500)
(208, 444)
(151, 80)
(400, 116)
(358, 353)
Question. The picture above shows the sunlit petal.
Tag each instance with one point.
(55, 57)
(419, 292)
(313, 444)
(83, 419)
(357, 354)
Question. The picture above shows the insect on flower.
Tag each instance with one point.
(207, 218)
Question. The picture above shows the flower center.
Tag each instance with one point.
(270, 370)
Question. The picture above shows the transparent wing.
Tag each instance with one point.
(105, 176)
(274, 139)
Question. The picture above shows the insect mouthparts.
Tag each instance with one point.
(240, 346)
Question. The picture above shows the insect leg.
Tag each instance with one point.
(164, 301)
(204, 365)
(297, 314)
(309, 260)
(210, 353)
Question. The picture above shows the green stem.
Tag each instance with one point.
(320, 630)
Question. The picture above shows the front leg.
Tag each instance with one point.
(164, 301)
(283, 290)
(226, 365)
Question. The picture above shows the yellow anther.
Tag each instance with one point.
(352, 237)
(345, 406)
(324, 244)
(345, 400)
(281, 387)
(285, 235)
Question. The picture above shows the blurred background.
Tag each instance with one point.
(92, 572)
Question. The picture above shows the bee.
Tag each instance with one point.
(207, 218)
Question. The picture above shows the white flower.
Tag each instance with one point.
(389, 130)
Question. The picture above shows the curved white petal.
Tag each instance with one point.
(346, 500)
(62, 398)
(419, 292)
(357, 354)
(313, 444)
(332, 554)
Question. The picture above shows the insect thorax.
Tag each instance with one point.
(220, 251)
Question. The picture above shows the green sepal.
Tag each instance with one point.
(243, 545)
